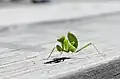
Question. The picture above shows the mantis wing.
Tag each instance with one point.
(72, 39)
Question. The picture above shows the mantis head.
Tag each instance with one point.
(69, 44)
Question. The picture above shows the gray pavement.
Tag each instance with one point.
(24, 47)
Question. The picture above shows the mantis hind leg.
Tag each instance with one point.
(51, 53)
(98, 50)
(84, 47)
(93, 46)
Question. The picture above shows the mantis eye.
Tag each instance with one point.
(59, 48)
(61, 40)
(72, 39)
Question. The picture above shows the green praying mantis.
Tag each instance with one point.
(70, 44)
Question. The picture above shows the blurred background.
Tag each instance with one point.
(23, 1)
(39, 1)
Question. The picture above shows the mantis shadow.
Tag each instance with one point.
(57, 60)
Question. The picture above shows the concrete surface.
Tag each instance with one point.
(26, 40)
(110, 70)
(24, 49)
